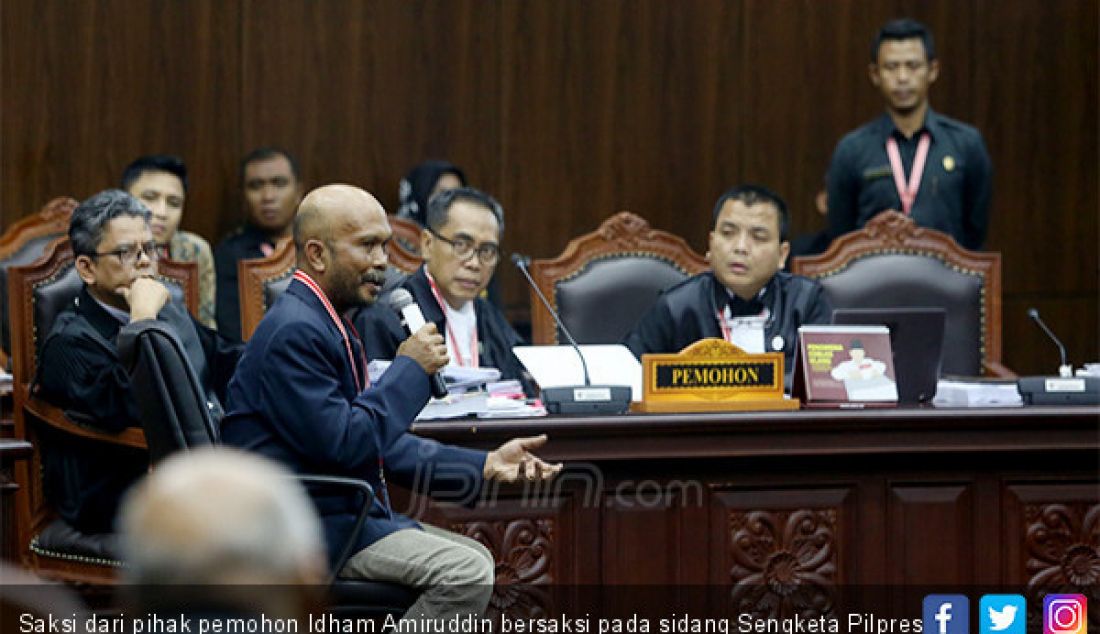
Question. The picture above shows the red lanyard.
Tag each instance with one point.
(451, 340)
(908, 192)
(304, 278)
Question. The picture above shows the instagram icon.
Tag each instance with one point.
(1065, 614)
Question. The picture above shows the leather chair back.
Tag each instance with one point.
(908, 280)
(168, 392)
(24, 243)
(605, 280)
(602, 301)
(893, 263)
(260, 281)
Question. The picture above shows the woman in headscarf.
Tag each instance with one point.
(421, 183)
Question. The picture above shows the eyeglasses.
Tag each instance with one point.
(130, 253)
(487, 252)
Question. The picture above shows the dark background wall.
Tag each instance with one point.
(566, 111)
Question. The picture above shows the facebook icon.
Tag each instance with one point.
(946, 614)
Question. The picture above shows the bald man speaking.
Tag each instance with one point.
(301, 395)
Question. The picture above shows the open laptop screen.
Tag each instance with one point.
(916, 338)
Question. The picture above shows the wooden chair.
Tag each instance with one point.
(260, 281)
(891, 262)
(44, 289)
(605, 280)
(24, 243)
(404, 250)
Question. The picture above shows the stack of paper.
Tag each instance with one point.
(956, 393)
(457, 379)
(479, 404)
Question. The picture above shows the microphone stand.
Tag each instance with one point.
(589, 399)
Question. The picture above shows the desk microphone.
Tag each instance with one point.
(412, 319)
(1065, 370)
(1063, 390)
(590, 399)
(521, 263)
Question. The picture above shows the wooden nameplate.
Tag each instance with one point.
(712, 375)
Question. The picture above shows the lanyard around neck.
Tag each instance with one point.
(724, 321)
(304, 278)
(452, 342)
(907, 192)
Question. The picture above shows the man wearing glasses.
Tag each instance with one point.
(80, 371)
(461, 249)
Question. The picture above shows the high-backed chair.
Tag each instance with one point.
(891, 262)
(175, 418)
(46, 544)
(24, 243)
(404, 251)
(605, 280)
(260, 281)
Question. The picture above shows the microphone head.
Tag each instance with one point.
(400, 299)
(520, 260)
(1033, 313)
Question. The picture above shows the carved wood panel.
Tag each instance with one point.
(533, 542)
(782, 549)
(1057, 545)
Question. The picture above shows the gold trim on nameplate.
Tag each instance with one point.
(713, 375)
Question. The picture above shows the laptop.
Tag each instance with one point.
(916, 340)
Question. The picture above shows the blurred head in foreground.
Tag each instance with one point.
(221, 517)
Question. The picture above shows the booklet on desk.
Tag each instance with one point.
(845, 366)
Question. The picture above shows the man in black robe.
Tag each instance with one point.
(745, 298)
(461, 249)
(79, 369)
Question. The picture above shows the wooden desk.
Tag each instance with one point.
(907, 496)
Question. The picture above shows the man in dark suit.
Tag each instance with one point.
(301, 396)
(461, 248)
(272, 186)
(79, 369)
(910, 159)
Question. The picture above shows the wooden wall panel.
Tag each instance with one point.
(88, 86)
(925, 518)
(637, 521)
(566, 111)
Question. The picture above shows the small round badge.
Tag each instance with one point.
(949, 163)
(777, 343)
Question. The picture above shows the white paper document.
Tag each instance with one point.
(559, 366)
(478, 404)
(952, 393)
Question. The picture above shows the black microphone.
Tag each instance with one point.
(412, 319)
(1065, 369)
(600, 399)
(521, 263)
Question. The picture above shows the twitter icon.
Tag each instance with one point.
(1002, 614)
